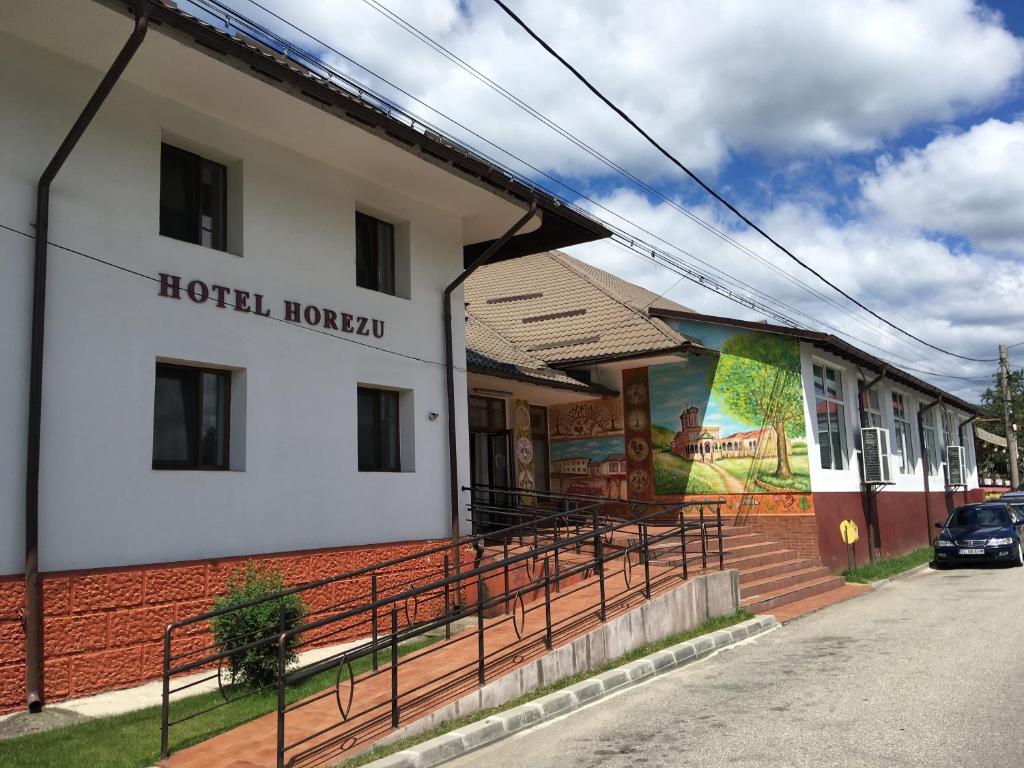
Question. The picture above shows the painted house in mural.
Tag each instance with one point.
(766, 417)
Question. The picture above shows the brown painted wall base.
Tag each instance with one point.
(103, 629)
(902, 522)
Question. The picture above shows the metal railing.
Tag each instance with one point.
(511, 586)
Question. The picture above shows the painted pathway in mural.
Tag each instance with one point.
(731, 424)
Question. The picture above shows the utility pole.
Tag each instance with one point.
(1011, 433)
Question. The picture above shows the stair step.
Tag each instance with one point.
(758, 572)
(769, 600)
(779, 581)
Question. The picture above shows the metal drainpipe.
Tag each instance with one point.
(33, 592)
(921, 410)
(449, 366)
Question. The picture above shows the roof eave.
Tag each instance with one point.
(831, 344)
(560, 226)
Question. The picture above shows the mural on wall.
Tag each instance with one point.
(587, 454)
(732, 424)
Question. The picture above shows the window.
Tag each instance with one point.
(903, 440)
(486, 414)
(190, 418)
(931, 445)
(870, 401)
(375, 254)
(378, 430)
(539, 436)
(950, 429)
(831, 416)
(193, 198)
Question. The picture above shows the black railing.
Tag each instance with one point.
(511, 586)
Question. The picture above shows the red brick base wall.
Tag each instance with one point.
(103, 629)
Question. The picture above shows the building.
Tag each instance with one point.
(243, 354)
(767, 417)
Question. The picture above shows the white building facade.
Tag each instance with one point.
(244, 352)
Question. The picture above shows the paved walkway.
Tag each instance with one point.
(427, 680)
(925, 670)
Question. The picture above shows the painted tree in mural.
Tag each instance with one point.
(757, 381)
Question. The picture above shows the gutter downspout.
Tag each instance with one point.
(921, 410)
(449, 367)
(963, 442)
(868, 495)
(33, 591)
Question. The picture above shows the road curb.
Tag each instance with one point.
(504, 724)
(898, 576)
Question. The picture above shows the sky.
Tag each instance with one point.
(881, 141)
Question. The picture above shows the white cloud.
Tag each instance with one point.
(968, 303)
(966, 184)
(708, 77)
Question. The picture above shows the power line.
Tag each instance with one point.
(647, 251)
(232, 18)
(711, 191)
(143, 275)
(576, 141)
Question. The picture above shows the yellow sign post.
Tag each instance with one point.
(848, 530)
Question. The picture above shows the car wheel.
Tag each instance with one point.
(1018, 561)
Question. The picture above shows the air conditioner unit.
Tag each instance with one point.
(956, 465)
(874, 456)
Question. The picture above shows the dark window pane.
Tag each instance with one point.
(386, 257)
(190, 418)
(214, 424)
(375, 254)
(193, 198)
(179, 184)
(378, 436)
(369, 438)
(174, 417)
(389, 431)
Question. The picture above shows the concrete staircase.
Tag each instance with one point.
(770, 574)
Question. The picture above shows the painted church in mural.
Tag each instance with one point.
(732, 423)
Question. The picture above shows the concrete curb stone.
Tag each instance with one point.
(898, 576)
(503, 724)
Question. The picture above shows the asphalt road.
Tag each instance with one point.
(926, 670)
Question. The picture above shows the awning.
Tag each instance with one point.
(989, 437)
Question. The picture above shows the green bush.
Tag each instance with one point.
(255, 667)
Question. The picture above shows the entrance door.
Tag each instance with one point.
(490, 465)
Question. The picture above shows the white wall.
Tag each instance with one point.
(826, 480)
(101, 503)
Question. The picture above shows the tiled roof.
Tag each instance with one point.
(487, 352)
(557, 309)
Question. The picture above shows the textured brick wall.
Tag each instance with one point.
(103, 630)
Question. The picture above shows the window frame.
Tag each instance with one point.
(931, 439)
(907, 437)
(374, 248)
(842, 432)
(219, 234)
(196, 464)
(875, 416)
(380, 464)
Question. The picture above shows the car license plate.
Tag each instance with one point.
(972, 552)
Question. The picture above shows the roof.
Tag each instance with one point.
(289, 70)
(559, 310)
(487, 352)
(834, 345)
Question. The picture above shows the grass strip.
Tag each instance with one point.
(885, 569)
(132, 739)
(711, 625)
